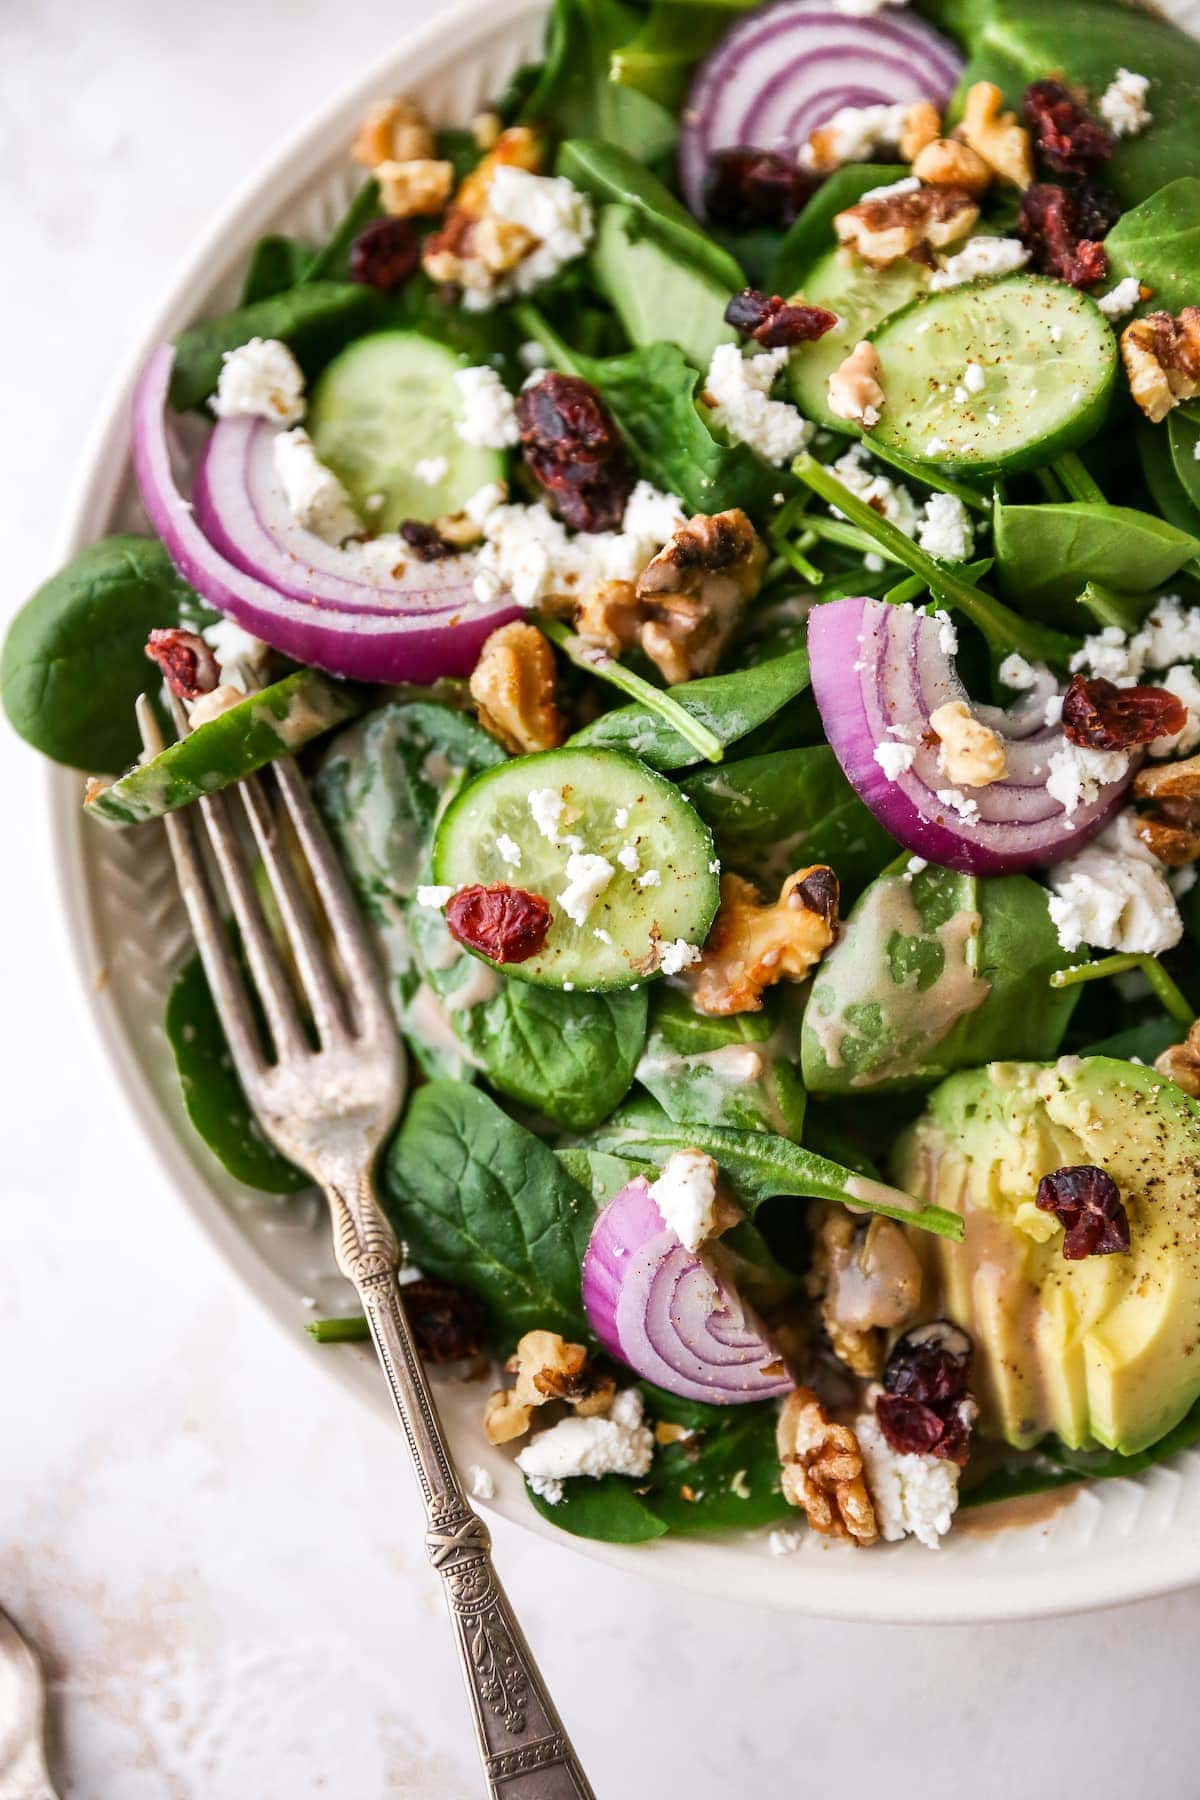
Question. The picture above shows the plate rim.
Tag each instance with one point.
(892, 1586)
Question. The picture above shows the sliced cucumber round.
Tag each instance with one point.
(386, 408)
(861, 297)
(522, 823)
(1047, 357)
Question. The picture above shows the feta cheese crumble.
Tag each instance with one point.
(435, 897)
(241, 657)
(853, 134)
(650, 878)
(784, 1543)
(431, 470)
(262, 379)
(686, 1196)
(546, 808)
(913, 1496)
(894, 759)
(315, 497)
(738, 388)
(508, 850)
(530, 552)
(1122, 105)
(1181, 681)
(489, 412)
(629, 859)
(960, 803)
(1170, 635)
(891, 499)
(974, 379)
(1114, 895)
(482, 1485)
(674, 958)
(1077, 774)
(619, 1444)
(1121, 299)
(552, 210)
(980, 256)
(587, 877)
(946, 530)
(1018, 674)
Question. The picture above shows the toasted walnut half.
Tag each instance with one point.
(512, 686)
(1169, 823)
(755, 943)
(416, 189)
(1180, 1063)
(394, 130)
(896, 225)
(853, 391)
(971, 753)
(998, 137)
(453, 252)
(946, 162)
(867, 1277)
(546, 1368)
(922, 124)
(1162, 360)
(823, 1470)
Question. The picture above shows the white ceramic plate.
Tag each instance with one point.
(1116, 1541)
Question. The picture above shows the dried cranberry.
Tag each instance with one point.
(1048, 221)
(775, 322)
(1099, 715)
(503, 923)
(425, 541)
(925, 1409)
(572, 446)
(188, 665)
(1087, 1202)
(820, 893)
(448, 1322)
(1098, 209)
(1064, 133)
(744, 187)
(385, 255)
(597, 504)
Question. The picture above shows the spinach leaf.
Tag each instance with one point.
(1145, 1041)
(1015, 1481)
(772, 814)
(1183, 435)
(483, 1202)
(811, 233)
(609, 173)
(315, 320)
(737, 1072)
(657, 294)
(600, 1174)
(729, 705)
(659, 60)
(332, 261)
(1055, 1465)
(760, 1165)
(1159, 241)
(212, 1093)
(276, 264)
(611, 1509)
(1158, 470)
(74, 659)
(1046, 554)
(571, 1056)
(575, 95)
(935, 972)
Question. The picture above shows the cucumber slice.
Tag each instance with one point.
(1048, 356)
(861, 297)
(387, 403)
(258, 729)
(610, 802)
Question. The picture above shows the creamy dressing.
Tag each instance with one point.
(873, 1194)
(481, 985)
(878, 1283)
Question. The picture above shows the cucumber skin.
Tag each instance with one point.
(219, 752)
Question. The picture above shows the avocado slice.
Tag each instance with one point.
(1099, 1352)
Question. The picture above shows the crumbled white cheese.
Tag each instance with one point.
(1170, 635)
(315, 497)
(936, 447)
(553, 211)
(739, 389)
(854, 133)
(650, 878)
(1182, 881)
(686, 1196)
(482, 1485)
(1121, 299)
(431, 470)
(913, 1496)
(508, 850)
(546, 808)
(1181, 681)
(436, 897)
(909, 185)
(946, 530)
(891, 499)
(974, 379)
(619, 1444)
(602, 936)
(530, 552)
(652, 515)
(1122, 105)
(261, 378)
(1077, 774)
(980, 256)
(621, 817)
(241, 658)
(489, 412)
(532, 356)
(629, 859)
(947, 634)
(1111, 654)
(587, 877)
(1018, 674)
(966, 808)
(894, 759)
(915, 865)
(1114, 895)
(674, 958)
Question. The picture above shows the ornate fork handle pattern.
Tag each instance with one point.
(526, 1752)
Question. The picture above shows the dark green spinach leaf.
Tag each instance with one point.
(575, 95)
(1183, 435)
(738, 1072)
(315, 320)
(332, 261)
(276, 264)
(1166, 490)
(1046, 554)
(609, 173)
(1159, 241)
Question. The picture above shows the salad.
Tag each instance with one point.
(722, 532)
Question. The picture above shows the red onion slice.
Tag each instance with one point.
(429, 624)
(786, 68)
(877, 667)
(667, 1312)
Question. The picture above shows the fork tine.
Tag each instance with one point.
(311, 959)
(224, 979)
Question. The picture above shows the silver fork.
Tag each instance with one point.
(329, 1111)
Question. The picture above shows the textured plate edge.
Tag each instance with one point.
(895, 1587)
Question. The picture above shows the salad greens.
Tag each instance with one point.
(738, 604)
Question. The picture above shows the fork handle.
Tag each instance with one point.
(526, 1753)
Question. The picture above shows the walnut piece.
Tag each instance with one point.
(868, 1279)
(823, 1470)
(415, 189)
(922, 124)
(1180, 1063)
(394, 130)
(687, 599)
(512, 686)
(546, 1368)
(853, 390)
(754, 943)
(1169, 826)
(972, 754)
(452, 253)
(948, 163)
(1162, 360)
(998, 137)
(896, 225)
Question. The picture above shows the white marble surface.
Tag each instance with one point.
(218, 1555)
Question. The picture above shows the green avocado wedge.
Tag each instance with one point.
(274, 722)
(1099, 1351)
